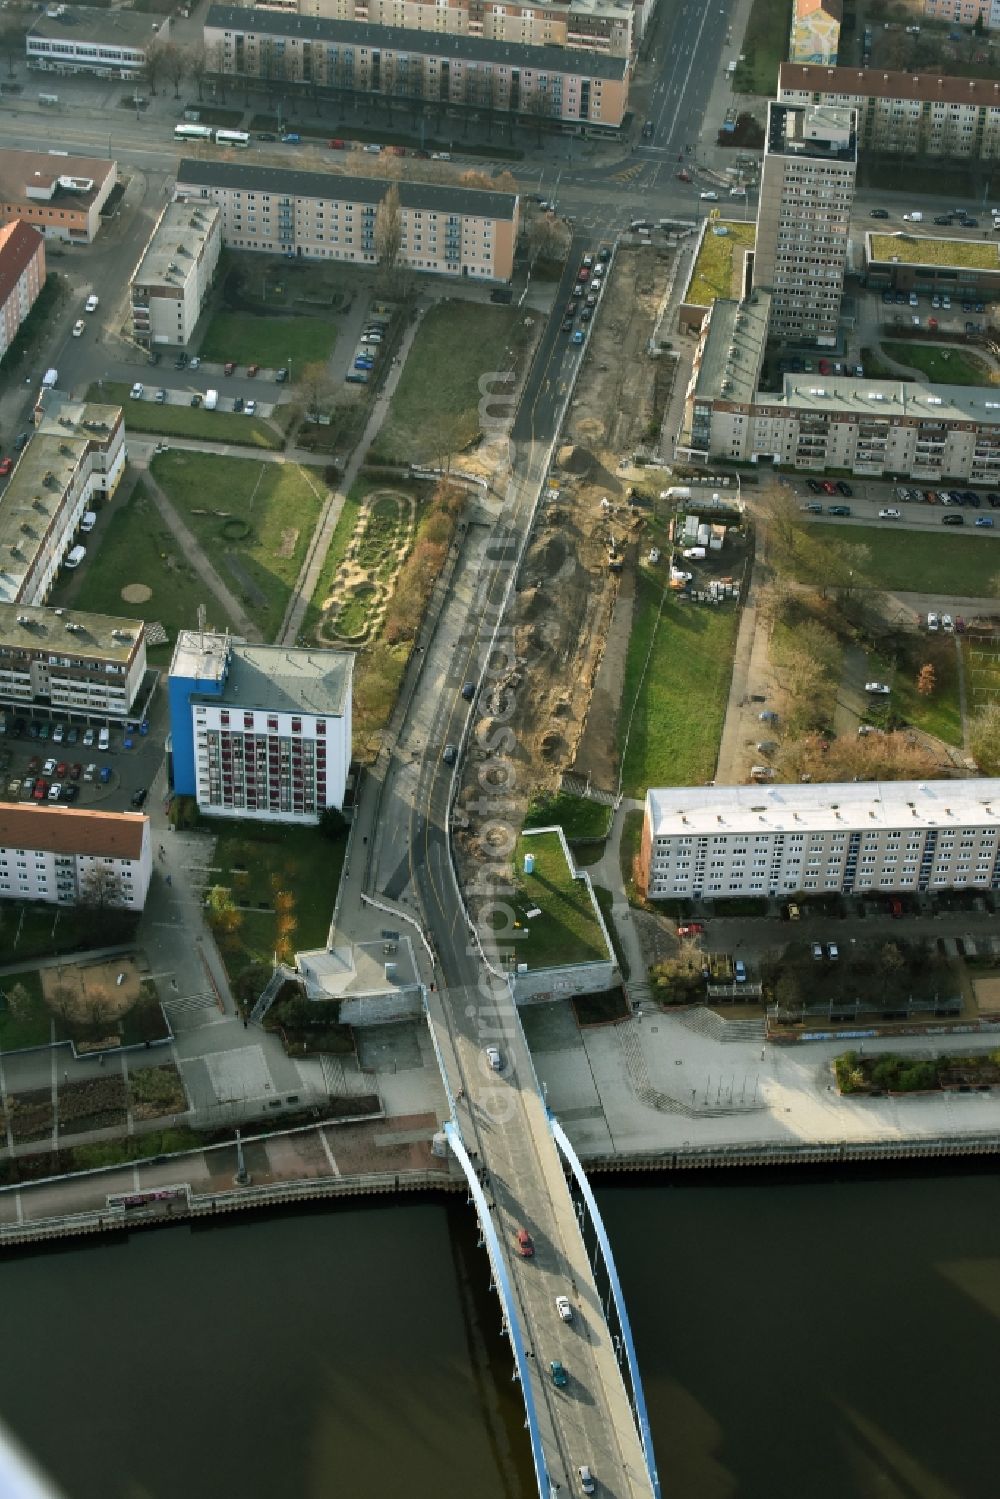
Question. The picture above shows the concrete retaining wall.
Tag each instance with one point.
(382, 1009)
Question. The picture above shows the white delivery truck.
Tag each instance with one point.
(50, 379)
(211, 400)
(913, 218)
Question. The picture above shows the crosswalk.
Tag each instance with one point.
(189, 1012)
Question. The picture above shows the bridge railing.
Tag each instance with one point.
(638, 1397)
(506, 1293)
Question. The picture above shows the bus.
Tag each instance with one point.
(192, 133)
(232, 138)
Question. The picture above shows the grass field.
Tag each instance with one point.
(278, 503)
(578, 817)
(188, 421)
(567, 931)
(256, 863)
(271, 342)
(435, 407)
(939, 714)
(136, 547)
(712, 274)
(31, 1024)
(923, 561)
(982, 673)
(765, 45)
(945, 366)
(677, 724)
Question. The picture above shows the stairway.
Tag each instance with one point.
(654, 1098)
(706, 1022)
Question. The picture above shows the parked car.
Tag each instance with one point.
(832, 951)
(933, 623)
(878, 689)
(814, 486)
(844, 489)
(253, 369)
(878, 213)
(985, 521)
(250, 408)
(740, 971)
(691, 929)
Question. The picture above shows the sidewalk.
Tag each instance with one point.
(751, 676)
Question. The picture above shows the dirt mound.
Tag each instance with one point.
(574, 459)
(547, 556)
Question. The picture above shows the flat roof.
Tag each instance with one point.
(890, 399)
(41, 477)
(925, 249)
(878, 83)
(236, 176)
(875, 806)
(201, 655)
(810, 132)
(733, 350)
(285, 680)
(171, 253)
(18, 168)
(87, 23)
(66, 830)
(101, 637)
(546, 58)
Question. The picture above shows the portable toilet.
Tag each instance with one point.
(529, 863)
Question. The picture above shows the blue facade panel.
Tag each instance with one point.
(180, 691)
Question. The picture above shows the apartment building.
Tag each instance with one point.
(599, 25)
(450, 231)
(585, 89)
(725, 373)
(22, 276)
(816, 423)
(76, 452)
(61, 195)
(50, 853)
(964, 12)
(804, 218)
(904, 114)
(171, 281)
(815, 33)
(720, 841)
(83, 39)
(262, 732)
(70, 664)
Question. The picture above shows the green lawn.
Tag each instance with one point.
(944, 366)
(188, 421)
(922, 249)
(765, 45)
(577, 816)
(435, 408)
(255, 862)
(567, 931)
(271, 342)
(677, 724)
(279, 503)
(712, 273)
(136, 547)
(922, 561)
(32, 1025)
(940, 713)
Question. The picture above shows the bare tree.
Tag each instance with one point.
(389, 238)
(177, 64)
(12, 34)
(215, 58)
(315, 389)
(198, 65)
(101, 888)
(155, 62)
(539, 108)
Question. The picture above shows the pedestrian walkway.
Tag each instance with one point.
(751, 673)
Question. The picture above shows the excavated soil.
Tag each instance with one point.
(567, 590)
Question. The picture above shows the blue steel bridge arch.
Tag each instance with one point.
(638, 1397)
(506, 1293)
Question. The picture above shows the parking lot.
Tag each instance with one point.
(52, 762)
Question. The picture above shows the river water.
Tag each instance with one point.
(799, 1337)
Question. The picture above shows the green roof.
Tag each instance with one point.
(566, 928)
(921, 249)
(712, 276)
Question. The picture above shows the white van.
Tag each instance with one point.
(88, 520)
(50, 379)
(103, 739)
(76, 556)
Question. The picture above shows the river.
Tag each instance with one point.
(800, 1336)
